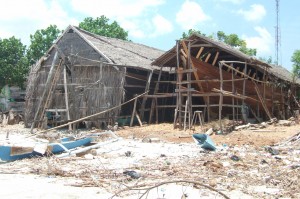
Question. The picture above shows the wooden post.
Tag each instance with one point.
(190, 111)
(150, 73)
(133, 112)
(208, 109)
(221, 97)
(244, 94)
(272, 87)
(47, 86)
(233, 91)
(66, 96)
(156, 110)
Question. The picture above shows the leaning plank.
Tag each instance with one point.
(199, 52)
(96, 114)
(262, 101)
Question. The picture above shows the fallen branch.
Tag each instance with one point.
(169, 182)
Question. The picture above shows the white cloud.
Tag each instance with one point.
(234, 1)
(255, 13)
(132, 15)
(114, 8)
(262, 42)
(133, 28)
(162, 26)
(29, 16)
(190, 15)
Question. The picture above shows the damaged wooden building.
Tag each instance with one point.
(219, 81)
(83, 74)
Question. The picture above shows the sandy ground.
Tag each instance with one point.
(173, 156)
(259, 138)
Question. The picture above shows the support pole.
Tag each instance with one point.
(66, 96)
(221, 96)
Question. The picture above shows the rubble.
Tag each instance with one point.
(123, 166)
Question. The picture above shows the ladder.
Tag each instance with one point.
(51, 82)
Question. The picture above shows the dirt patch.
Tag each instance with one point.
(258, 138)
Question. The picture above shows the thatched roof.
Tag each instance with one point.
(120, 52)
(228, 52)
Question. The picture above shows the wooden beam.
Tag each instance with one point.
(66, 96)
(199, 52)
(195, 73)
(215, 59)
(262, 101)
(207, 58)
(183, 53)
(133, 112)
(201, 45)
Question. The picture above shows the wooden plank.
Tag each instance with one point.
(133, 112)
(201, 45)
(139, 119)
(195, 73)
(262, 101)
(199, 52)
(184, 90)
(183, 53)
(207, 57)
(147, 89)
(221, 97)
(184, 71)
(215, 59)
(66, 96)
(242, 74)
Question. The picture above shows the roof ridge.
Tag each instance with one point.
(100, 37)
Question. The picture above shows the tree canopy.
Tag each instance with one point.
(41, 41)
(13, 62)
(296, 63)
(231, 39)
(101, 26)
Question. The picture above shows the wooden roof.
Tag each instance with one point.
(227, 53)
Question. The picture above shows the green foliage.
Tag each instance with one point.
(13, 62)
(268, 60)
(296, 63)
(101, 26)
(234, 41)
(190, 32)
(231, 39)
(41, 41)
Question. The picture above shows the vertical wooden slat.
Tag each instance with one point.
(221, 96)
(66, 96)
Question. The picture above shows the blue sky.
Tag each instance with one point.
(158, 23)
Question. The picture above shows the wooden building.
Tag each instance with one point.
(83, 74)
(221, 81)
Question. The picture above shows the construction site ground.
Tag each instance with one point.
(241, 167)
